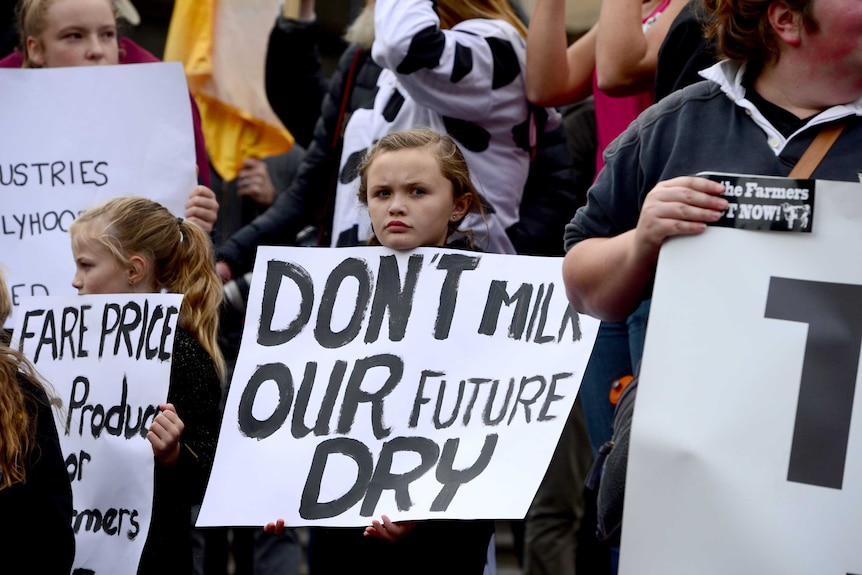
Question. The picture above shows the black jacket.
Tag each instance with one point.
(36, 516)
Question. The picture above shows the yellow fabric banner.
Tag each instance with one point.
(222, 45)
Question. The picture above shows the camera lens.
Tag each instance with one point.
(236, 292)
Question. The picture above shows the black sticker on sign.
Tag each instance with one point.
(765, 202)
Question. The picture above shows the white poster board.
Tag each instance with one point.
(108, 358)
(746, 447)
(76, 137)
(426, 384)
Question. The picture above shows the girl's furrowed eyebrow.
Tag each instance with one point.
(416, 184)
(67, 29)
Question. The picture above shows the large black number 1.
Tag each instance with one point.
(833, 313)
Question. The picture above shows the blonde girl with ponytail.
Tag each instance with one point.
(135, 245)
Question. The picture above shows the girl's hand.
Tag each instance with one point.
(202, 208)
(164, 435)
(224, 272)
(389, 531)
(679, 206)
(276, 528)
(254, 181)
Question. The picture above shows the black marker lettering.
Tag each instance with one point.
(454, 264)
(453, 479)
(275, 272)
(383, 477)
(354, 395)
(389, 295)
(828, 382)
(309, 506)
(349, 268)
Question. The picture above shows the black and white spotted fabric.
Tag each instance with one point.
(467, 82)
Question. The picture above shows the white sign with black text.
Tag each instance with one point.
(746, 447)
(425, 384)
(76, 137)
(108, 358)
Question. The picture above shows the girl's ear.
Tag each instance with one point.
(35, 52)
(786, 23)
(138, 272)
(461, 206)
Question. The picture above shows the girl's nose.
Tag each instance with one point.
(95, 50)
(397, 205)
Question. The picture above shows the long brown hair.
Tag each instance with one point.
(181, 254)
(17, 424)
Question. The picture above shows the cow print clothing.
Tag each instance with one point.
(467, 82)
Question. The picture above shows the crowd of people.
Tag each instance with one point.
(441, 125)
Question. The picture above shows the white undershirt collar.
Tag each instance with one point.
(728, 75)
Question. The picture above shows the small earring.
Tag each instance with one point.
(454, 217)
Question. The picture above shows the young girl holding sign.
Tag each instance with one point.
(35, 493)
(417, 187)
(135, 245)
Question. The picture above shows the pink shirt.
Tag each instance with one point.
(613, 115)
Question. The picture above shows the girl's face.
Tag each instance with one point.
(77, 33)
(96, 269)
(410, 201)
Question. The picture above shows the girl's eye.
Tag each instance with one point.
(110, 34)
(381, 194)
(418, 192)
(73, 36)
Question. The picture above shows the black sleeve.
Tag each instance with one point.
(683, 53)
(195, 391)
(295, 85)
(446, 546)
(282, 168)
(36, 520)
(552, 194)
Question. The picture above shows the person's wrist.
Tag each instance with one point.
(299, 10)
(224, 271)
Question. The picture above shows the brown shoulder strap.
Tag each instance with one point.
(816, 151)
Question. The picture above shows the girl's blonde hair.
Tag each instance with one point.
(17, 426)
(181, 254)
(31, 17)
(451, 160)
(453, 12)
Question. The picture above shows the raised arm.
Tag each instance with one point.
(557, 75)
(471, 60)
(298, 9)
(626, 56)
(295, 84)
